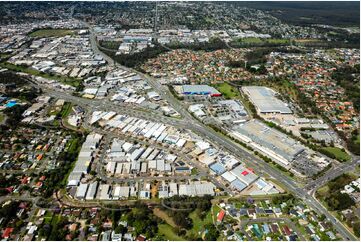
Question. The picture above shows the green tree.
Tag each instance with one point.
(211, 232)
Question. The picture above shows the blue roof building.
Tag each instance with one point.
(218, 168)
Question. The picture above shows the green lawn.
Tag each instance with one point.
(2, 117)
(65, 111)
(251, 40)
(51, 33)
(254, 40)
(167, 231)
(198, 224)
(194, 171)
(216, 210)
(338, 153)
(227, 90)
(114, 45)
(278, 41)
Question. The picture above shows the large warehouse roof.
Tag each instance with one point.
(271, 139)
(265, 101)
(244, 175)
(200, 90)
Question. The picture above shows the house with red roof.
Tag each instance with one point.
(221, 215)
(7, 232)
(140, 238)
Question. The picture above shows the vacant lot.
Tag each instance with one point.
(41, 33)
(198, 223)
(163, 215)
(338, 153)
(260, 42)
(227, 90)
(167, 231)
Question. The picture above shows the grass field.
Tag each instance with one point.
(167, 231)
(2, 117)
(41, 33)
(227, 90)
(339, 154)
(164, 216)
(65, 111)
(114, 45)
(253, 40)
(216, 210)
(194, 171)
(66, 80)
(198, 224)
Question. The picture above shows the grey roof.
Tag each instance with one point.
(271, 139)
(92, 190)
(265, 101)
(199, 89)
(237, 184)
(244, 175)
(197, 189)
(81, 191)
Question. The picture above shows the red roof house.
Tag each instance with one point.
(221, 215)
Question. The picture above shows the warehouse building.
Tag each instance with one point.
(121, 192)
(218, 168)
(244, 175)
(104, 192)
(85, 158)
(81, 191)
(197, 189)
(238, 185)
(271, 142)
(265, 100)
(173, 189)
(92, 190)
(200, 90)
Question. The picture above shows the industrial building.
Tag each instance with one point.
(271, 142)
(92, 191)
(244, 175)
(85, 158)
(81, 191)
(265, 100)
(197, 189)
(200, 90)
(121, 192)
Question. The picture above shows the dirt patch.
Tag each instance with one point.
(163, 215)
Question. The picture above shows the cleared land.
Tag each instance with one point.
(198, 223)
(163, 215)
(259, 41)
(167, 231)
(51, 33)
(66, 110)
(338, 153)
(227, 90)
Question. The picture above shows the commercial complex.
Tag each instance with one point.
(275, 144)
(265, 100)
